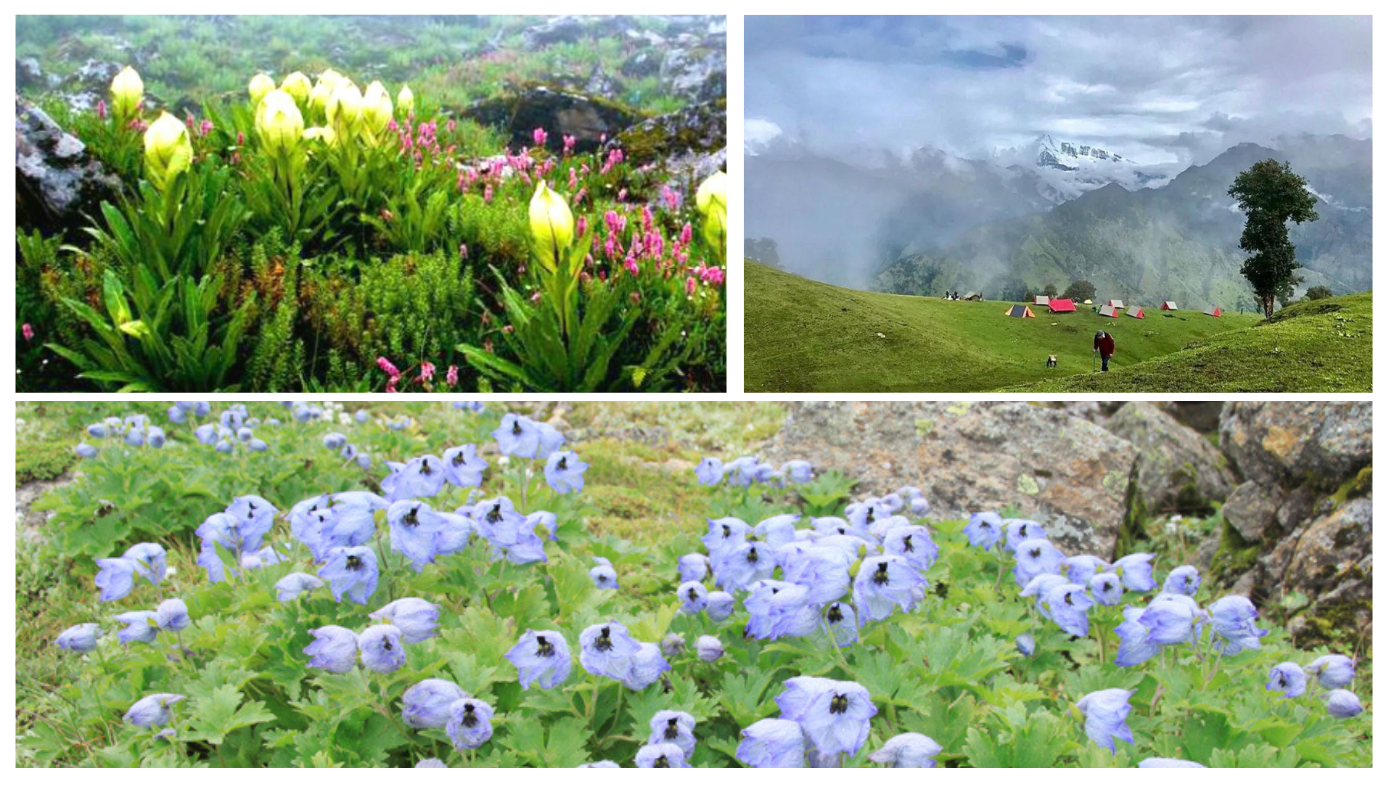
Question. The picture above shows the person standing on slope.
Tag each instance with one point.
(1104, 345)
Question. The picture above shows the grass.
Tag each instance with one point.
(1318, 346)
(805, 336)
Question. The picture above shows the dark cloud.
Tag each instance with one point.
(1160, 90)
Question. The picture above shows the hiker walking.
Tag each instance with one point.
(1103, 344)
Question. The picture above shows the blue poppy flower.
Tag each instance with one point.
(258, 445)
(1106, 589)
(1333, 671)
(1171, 619)
(1158, 763)
(1020, 530)
(361, 416)
(498, 521)
(1068, 606)
(772, 742)
(741, 471)
(134, 437)
(517, 436)
(645, 667)
(116, 577)
(224, 446)
(709, 471)
(172, 615)
(607, 650)
(779, 610)
(177, 414)
(738, 568)
(470, 724)
(417, 619)
(983, 529)
(883, 583)
(659, 755)
(79, 638)
(778, 530)
(352, 572)
(428, 763)
(1035, 557)
(98, 430)
(333, 649)
(152, 710)
(381, 648)
(428, 704)
(1025, 644)
(1082, 568)
(1343, 704)
(1135, 647)
(709, 649)
(692, 597)
(864, 514)
(603, 575)
(671, 727)
(1183, 580)
(1287, 678)
(841, 620)
(140, 626)
(913, 544)
(541, 656)
(423, 477)
(1136, 572)
(462, 467)
(1233, 620)
(244, 434)
(155, 437)
(295, 584)
(725, 535)
(907, 750)
(334, 441)
(797, 471)
(671, 646)
(151, 561)
(563, 471)
(833, 525)
(413, 530)
(825, 571)
(1104, 717)
(693, 567)
(720, 605)
(836, 715)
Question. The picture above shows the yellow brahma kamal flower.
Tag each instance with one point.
(377, 110)
(405, 102)
(127, 94)
(260, 86)
(712, 203)
(327, 135)
(551, 224)
(344, 110)
(297, 85)
(278, 122)
(168, 151)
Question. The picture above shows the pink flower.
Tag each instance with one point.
(240, 139)
(633, 268)
(486, 195)
(569, 142)
(28, 331)
(621, 195)
(581, 226)
(572, 180)
(387, 366)
(690, 286)
(581, 194)
(452, 376)
(426, 371)
(462, 250)
(686, 234)
(390, 386)
(452, 126)
(101, 109)
(671, 198)
(207, 127)
(540, 137)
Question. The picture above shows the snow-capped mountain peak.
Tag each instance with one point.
(1069, 156)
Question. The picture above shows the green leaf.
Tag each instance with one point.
(223, 713)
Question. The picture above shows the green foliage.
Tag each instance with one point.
(1081, 290)
(1318, 293)
(1271, 194)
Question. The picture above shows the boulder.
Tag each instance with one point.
(1251, 509)
(558, 30)
(1332, 550)
(1063, 471)
(28, 75)
(1179, 471)
(1286, 443)
(641, 64)
(698, 129)
(697, 73)
(57, 180)
(559, 112)
(1201, 416)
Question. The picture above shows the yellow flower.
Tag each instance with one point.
(327, 135)
(127, 93)
(344, 110)
(297, 85)
(712, 203)
(167, 151)
(551, 224)
(278, 122)
(260, 86)
(405, 102)
(377, 109)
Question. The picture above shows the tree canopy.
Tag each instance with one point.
(1271, 194)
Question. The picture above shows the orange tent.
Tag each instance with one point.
(1020, 312)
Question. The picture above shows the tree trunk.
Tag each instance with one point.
(1268, 305)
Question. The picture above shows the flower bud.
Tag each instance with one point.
(551, 224)
(127, 93)
(344, 110)
(260, 86)
(712, 203)
(167, 151)
(298, 86)
(405, 102)
(327, 135)
(278, 122)
(377, 109)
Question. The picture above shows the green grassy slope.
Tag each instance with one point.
(1321, 346)
(804, 336)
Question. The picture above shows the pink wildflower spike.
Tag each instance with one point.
(390, 386)
(387, 366)
(207, 127)
(621, 195)
(426, 371)
(240, 139)
(631, 267)
(540, 137)
(671, 198)
(101, 109)
(686, 234)
(486, 195)
(690, 286)
(452, 126)
(572, 180)
(452, 376)
(462, 250)
(581, 226)
(569, 142)
(28, 331)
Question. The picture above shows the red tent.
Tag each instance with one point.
(1108, 311)
(1060, 305)
(1116, 304)
(1214, 312)
(1136, 311)
(1169, 305)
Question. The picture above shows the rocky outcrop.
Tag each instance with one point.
(698, 73)
(1063, 471)
(1321, 444)
(57, 180)
(559, 112)
(1178, 469)
(696, 129)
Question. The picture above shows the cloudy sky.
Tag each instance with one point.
(1159, 90)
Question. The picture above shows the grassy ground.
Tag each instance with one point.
(1319, 346)
(802, 335)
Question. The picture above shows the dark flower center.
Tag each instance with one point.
(909, 543)
(985, 526)
(726, 532)
(882, 574)
(458, 459)
(604, 640)
(870, 516)
(425, 469)
(662, 762)
(563, 463)
(752, 557)
(354, 562)
(412, 517)
(545, 649)
(1034, 553)
(692, 594)
(469, 718)
(838, 706)
(1068, 598)
(494, 516)
(671, 730)
(834, 614)
(386, 644)
(515, 429)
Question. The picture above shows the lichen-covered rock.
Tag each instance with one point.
(1292, 443)
(559, 112)
(698, 129)
(966, 457)
(28, 74)
(1179, 471)
(698, 73)
(1251, 509)
(1201, 416)
(1332, 550)
(56, 179)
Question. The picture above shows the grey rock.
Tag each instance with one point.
(56, 179)
(1178, 470)
(559, 112)
(1201, 416)
(698, 73)
(697, 130)
(641, 64)
(28, 75)
(1251, 509)
(1333, 550)
(1292, 443)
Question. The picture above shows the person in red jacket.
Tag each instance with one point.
(1104, 345)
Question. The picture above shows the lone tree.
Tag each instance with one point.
(1318, 293)
(1050, 291)
(1081, 290)
(1270, 195)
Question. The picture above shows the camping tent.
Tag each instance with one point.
(1058, 305)
(1213, 312)
(1169, 305)
(1116, 304)
(1136, 311)
(1041, 300)
(1108, 311)
(1087, 302)
(1020, 312)
(973, 296)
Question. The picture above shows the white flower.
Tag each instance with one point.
(344, 419)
